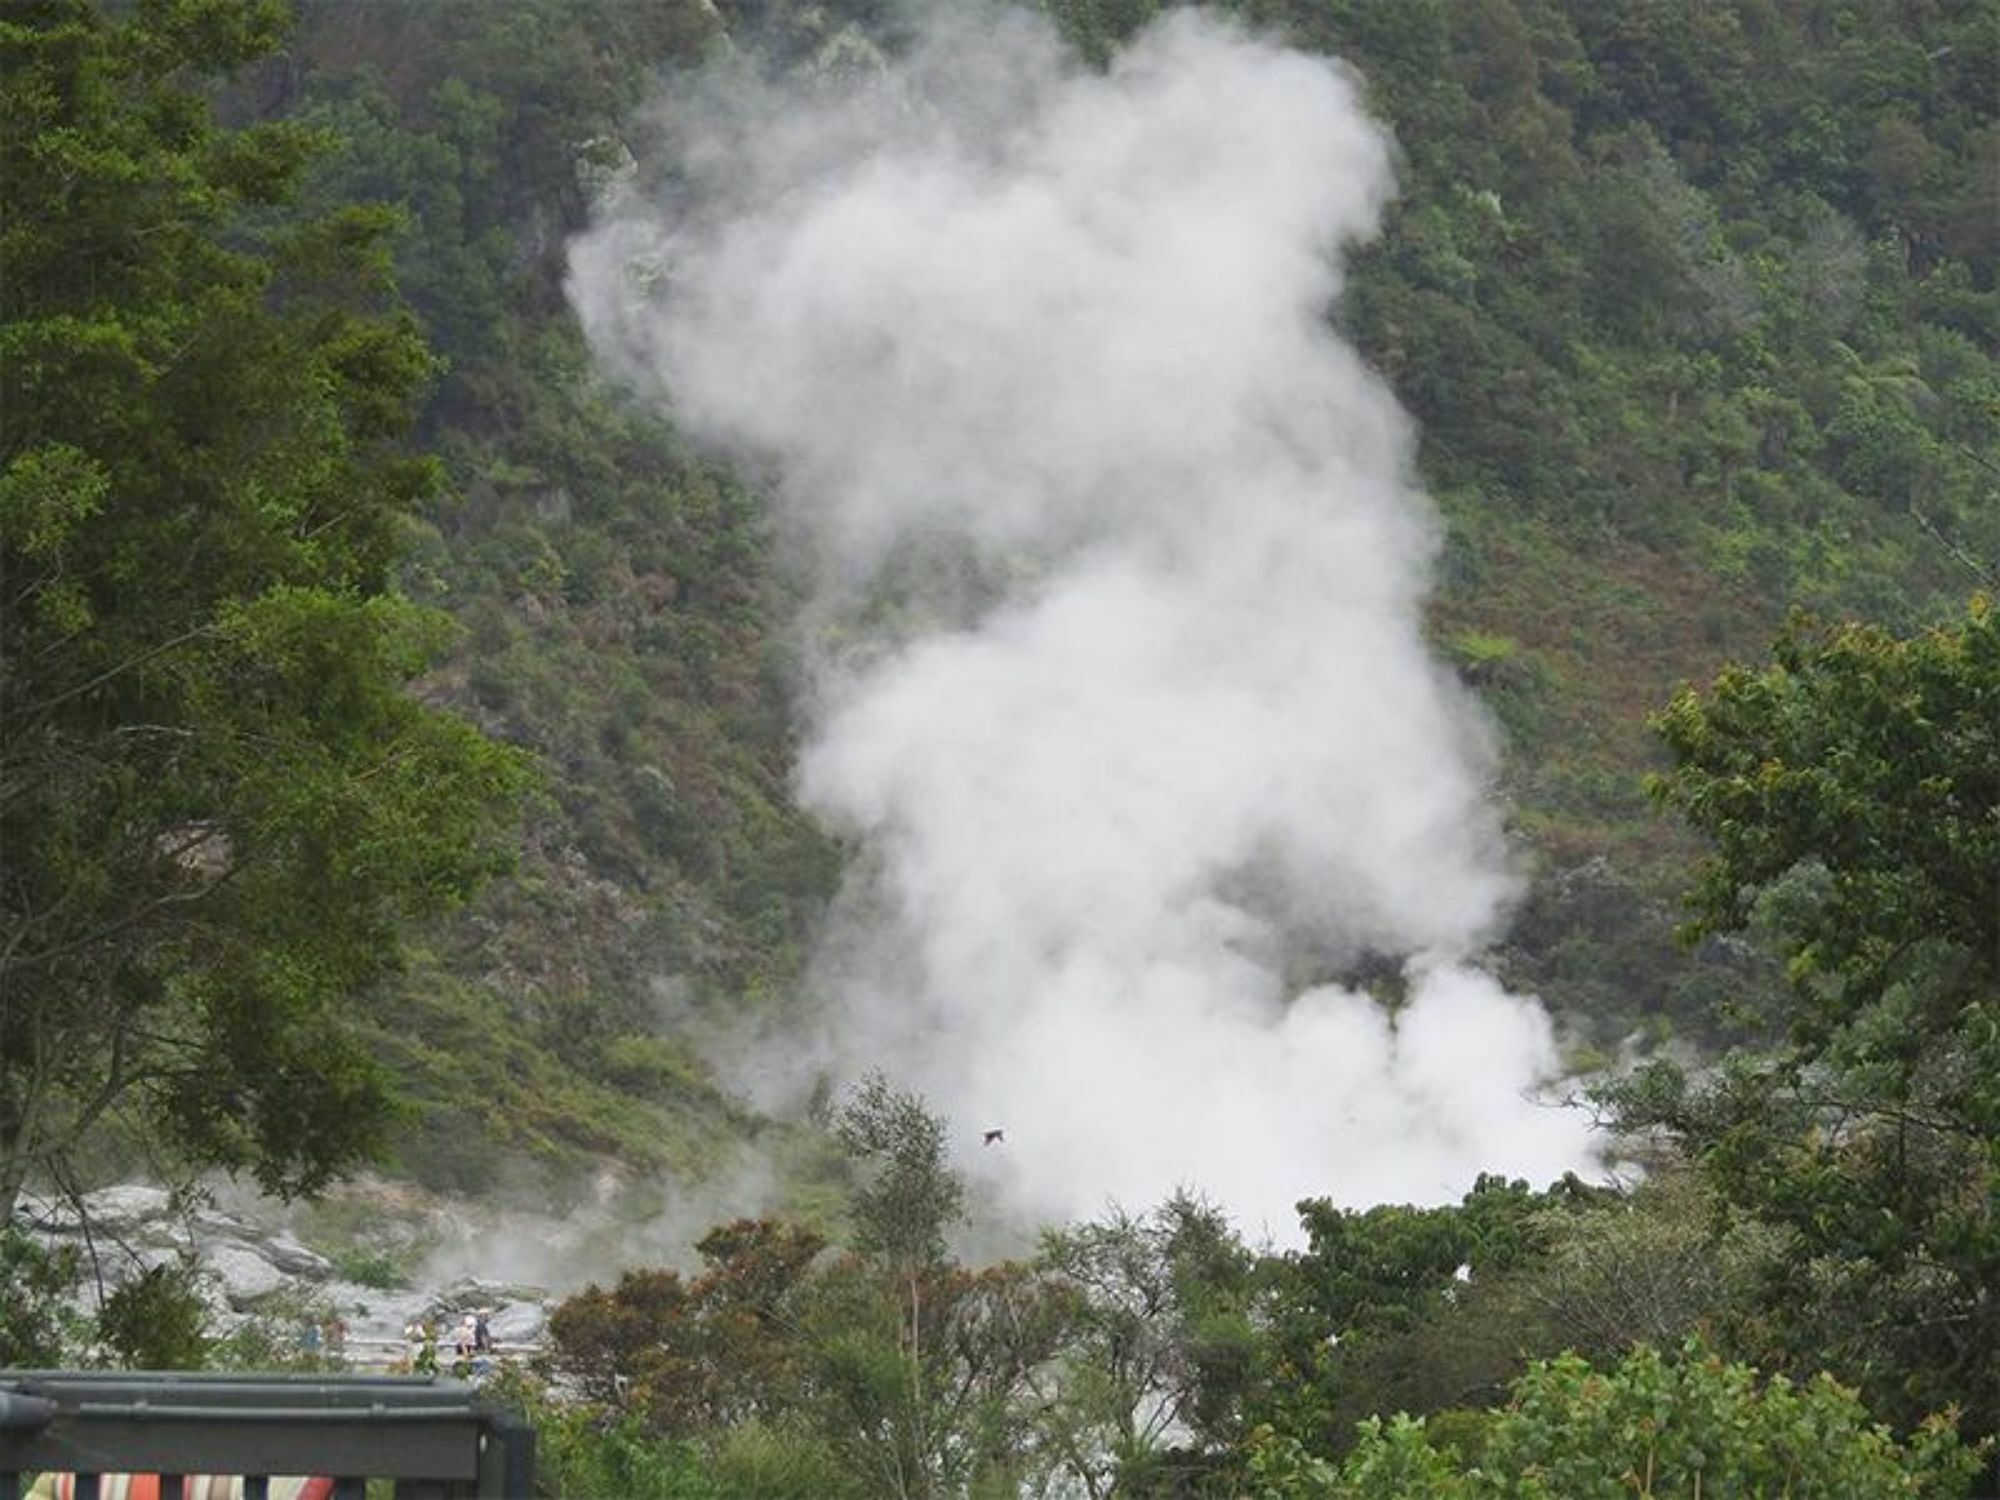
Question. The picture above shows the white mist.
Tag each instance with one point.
(1122, 691)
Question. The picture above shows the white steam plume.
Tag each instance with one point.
(1122, 688)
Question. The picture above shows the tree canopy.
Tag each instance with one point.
(219, 798)
(1852, 792)
(1695, 306)
(1651, 1426)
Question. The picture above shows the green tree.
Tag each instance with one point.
(1396, 1306)
(889, 1371)
(942, 1405)
(1651, 1427)
(1851, 791)
(918, 1365)
(157, 1320)
(38, 1327)
(1161, 1344)
(219, 800)
(909, 1195)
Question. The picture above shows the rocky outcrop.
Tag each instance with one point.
(128, 1229)
(250, 1270)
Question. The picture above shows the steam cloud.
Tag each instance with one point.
(1121, 687)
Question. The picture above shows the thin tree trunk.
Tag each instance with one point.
(917, 1389)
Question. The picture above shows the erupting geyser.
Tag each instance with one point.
(1122, 691)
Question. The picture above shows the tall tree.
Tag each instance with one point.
(218, 797)
(907, 1201)
(1162, 1349)
(910, 1375)
(1852, 793)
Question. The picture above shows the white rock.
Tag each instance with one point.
(245, 1275)
(369, 1313)
(125, 1206)
(519, 1323)
(112, 1210)
(217, 1224)
(294, 1259)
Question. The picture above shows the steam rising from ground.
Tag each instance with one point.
(1121, 687)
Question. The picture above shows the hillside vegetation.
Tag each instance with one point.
(1695, 306)
(398, 750)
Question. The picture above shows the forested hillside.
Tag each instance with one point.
(619, 606)
(1694, 305)
(402, 720)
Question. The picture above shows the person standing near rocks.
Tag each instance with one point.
(423, 1347)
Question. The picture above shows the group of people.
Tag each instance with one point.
(329, 1337)
(472, 1345)
(475, 1333)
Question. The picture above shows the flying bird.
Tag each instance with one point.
(995, 1137)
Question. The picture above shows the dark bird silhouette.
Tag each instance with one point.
(994, 1137)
